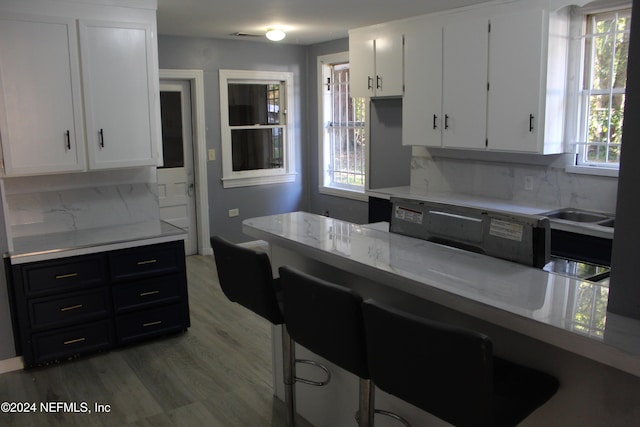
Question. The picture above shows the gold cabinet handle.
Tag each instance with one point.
(77, 340)
(157, 322)
(146, 294)
(72, 307)
(67, 276)
(150, 261)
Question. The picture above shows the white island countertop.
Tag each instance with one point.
(567, 313)
(93, 240)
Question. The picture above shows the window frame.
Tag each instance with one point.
(244, 178)
(577, 120)
(355, 193)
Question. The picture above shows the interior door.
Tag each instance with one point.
(176, 182)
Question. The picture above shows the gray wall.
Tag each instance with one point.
(624, 296)
(389, 160)
(210, 55)
(338, 207)
(7, 348)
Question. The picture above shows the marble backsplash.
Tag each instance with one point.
(552, 186)
(35, 207)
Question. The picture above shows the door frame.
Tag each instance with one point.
(196, 81)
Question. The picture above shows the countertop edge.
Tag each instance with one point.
(168, 233)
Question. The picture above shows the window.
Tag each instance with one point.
(605, 44)
(256, 127)
(342, 121)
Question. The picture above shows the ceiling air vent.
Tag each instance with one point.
(244, 34)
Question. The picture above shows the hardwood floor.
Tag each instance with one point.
(218, 373)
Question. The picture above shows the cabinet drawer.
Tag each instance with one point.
(63, 275)
(153, 322)
(147, 261)
(51, 312)
(139, 294)
(71, 341)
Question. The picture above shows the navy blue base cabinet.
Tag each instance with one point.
(72, 306)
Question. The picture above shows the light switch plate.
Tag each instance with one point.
(212, 154)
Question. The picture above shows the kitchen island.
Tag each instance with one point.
(544, 320)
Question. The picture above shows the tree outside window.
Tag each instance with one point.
(606, 53)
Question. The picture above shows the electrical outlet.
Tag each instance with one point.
(528, 183)
(234, 212)
(212, 154)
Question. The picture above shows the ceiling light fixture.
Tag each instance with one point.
(275, 35)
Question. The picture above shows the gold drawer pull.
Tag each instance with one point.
(157, 322)
(74, 341)
(146, 294)
(151, 261)
(73, 307)
(66, 276)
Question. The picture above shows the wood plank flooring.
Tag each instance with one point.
(218, 373)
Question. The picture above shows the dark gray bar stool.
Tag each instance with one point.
(327, 319)
(449, 371)
(246, 278)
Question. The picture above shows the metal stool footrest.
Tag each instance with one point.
(318, 365)
(386, 414)
(393, 415)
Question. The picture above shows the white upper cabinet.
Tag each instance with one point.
(376, 63)
(422, 118)
(465, 46)
(489, 80)
(520, 92)
(74, 100)
(362, 65)
(445, 104)
(118, 94)
(40, 101)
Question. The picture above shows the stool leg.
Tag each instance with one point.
(367, 403)
(288, 370)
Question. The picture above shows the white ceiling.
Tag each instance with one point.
(305, 21)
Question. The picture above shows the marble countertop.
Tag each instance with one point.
(493, 204)
(81, 242)
(564, 312)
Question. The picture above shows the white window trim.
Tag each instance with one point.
(574, 107)
(324, 189)
(231, 178)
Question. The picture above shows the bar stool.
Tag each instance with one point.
(326, 319)
(246, 278)
(449, 371)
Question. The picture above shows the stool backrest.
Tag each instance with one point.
(445, 370)
(326, 318)
(246, 277)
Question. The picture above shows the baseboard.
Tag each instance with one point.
(10, 365)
